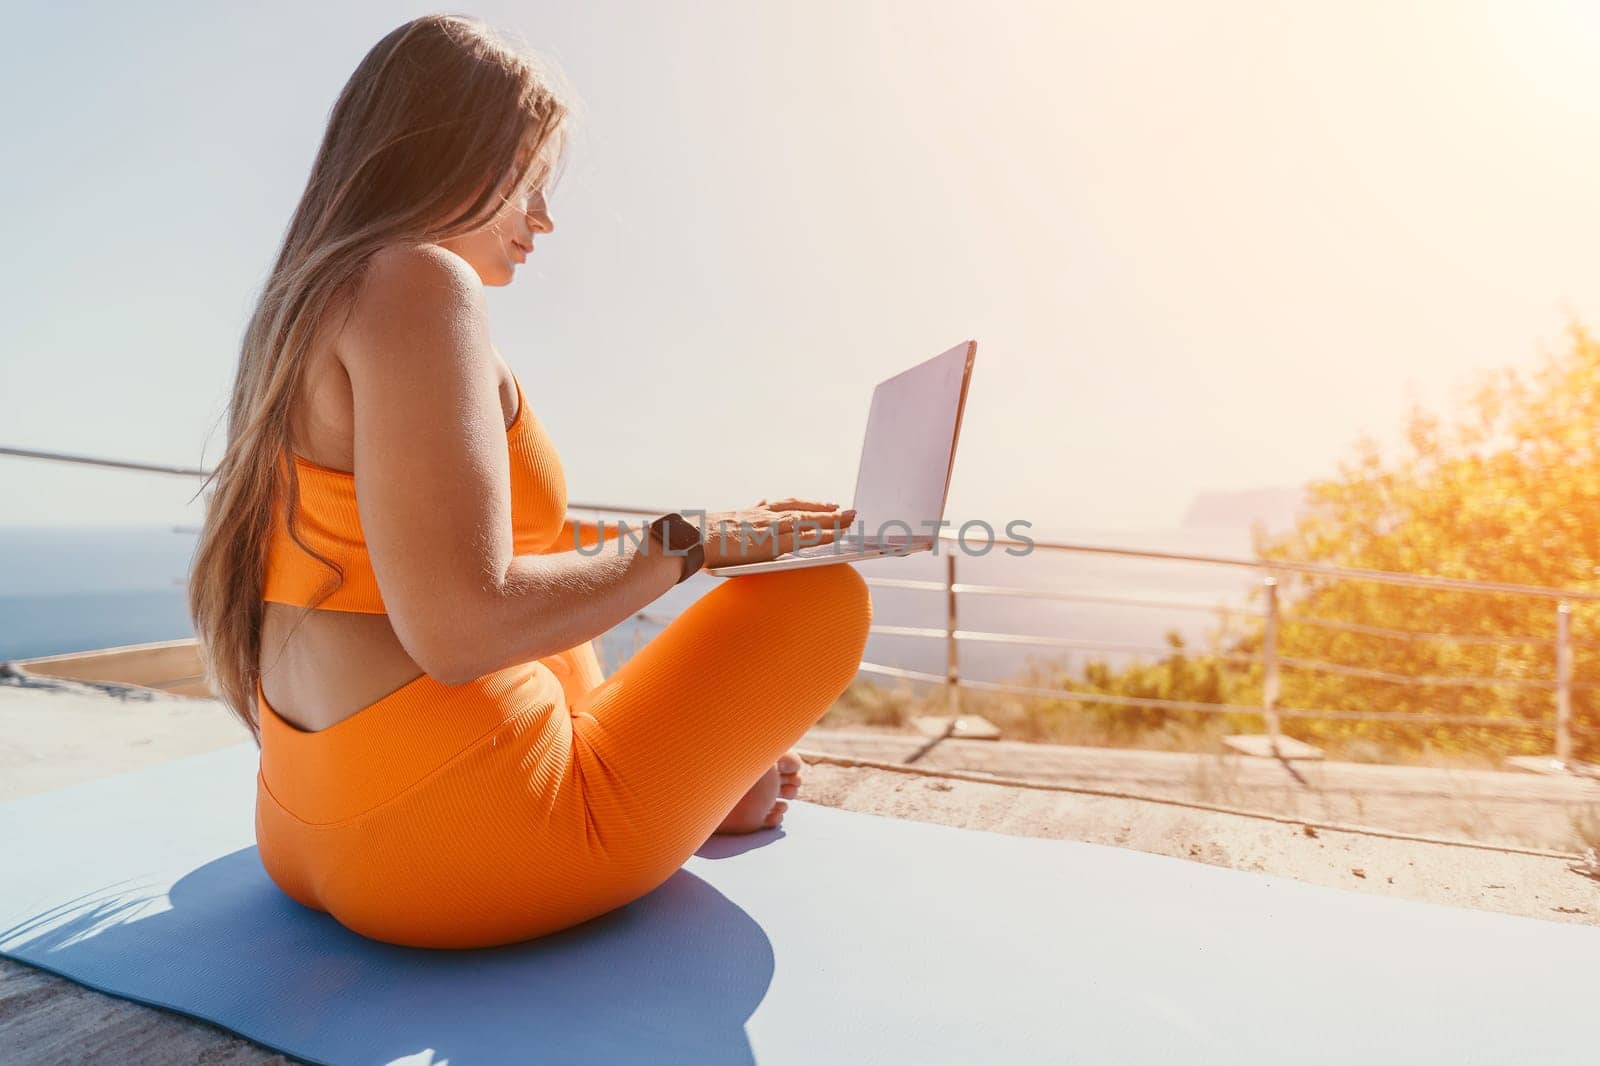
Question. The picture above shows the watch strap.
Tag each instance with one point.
(677, 534)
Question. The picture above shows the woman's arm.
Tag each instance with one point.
(433, 476)
(597, 593)
(581, 667)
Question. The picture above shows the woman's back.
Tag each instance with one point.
(320, 670)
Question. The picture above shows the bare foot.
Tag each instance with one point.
(763, 806)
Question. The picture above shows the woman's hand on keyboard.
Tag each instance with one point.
(771, 529)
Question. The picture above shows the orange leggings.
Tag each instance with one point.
(545, 794)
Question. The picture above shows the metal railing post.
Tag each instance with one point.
(952, 674)
(1564, 683)
(952, 690)
(1269, 653)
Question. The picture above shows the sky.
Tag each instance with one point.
(1202, 247)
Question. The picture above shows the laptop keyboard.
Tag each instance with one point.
(839, 547)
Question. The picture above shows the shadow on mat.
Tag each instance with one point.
(670, 977)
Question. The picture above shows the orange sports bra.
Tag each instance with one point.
(329, 522)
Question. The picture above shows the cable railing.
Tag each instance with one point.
(1558, 722)
(1269, 711)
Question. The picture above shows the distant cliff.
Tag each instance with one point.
(1274, 508)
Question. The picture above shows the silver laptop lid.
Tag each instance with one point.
(910, 447)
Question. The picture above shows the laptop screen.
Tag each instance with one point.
(910, 446)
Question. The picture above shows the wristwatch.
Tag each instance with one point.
(676, 533)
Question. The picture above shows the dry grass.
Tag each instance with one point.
(895, 704)
(868, 703)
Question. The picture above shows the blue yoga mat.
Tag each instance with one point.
(840, 938)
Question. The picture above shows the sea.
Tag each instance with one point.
(75, 588)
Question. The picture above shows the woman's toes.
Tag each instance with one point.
(763, 806)
(789, 767)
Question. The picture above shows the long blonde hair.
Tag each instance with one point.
(442, 111)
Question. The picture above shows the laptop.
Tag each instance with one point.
(903, 476)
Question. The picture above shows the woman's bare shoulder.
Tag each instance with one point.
(406, 273)
(421, 261)
(409, 293)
